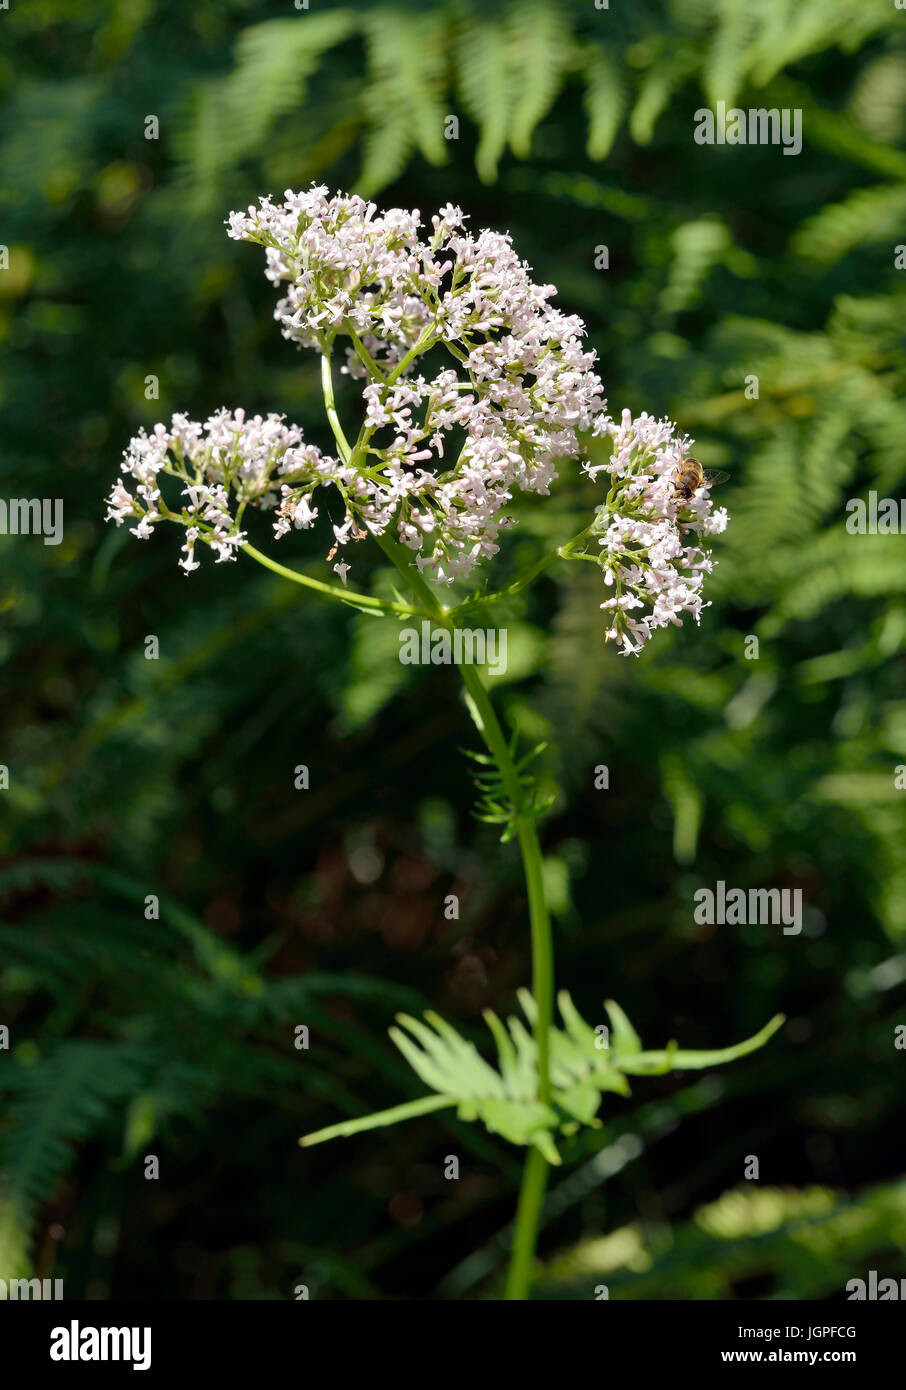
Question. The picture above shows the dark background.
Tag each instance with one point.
(174, 777)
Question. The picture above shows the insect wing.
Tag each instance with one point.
(713, 476)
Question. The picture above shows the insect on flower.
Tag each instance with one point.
(690, 476)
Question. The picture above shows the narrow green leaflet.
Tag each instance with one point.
(585, 1062)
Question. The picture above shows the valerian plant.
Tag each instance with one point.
(474, 386)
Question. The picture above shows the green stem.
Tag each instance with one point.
(534, 1179)
(349, 596)
(488, 726)
(528, 1217)
(426, 340)
(511, 590)
(407, 1111)
(333, 418)
(401, 558)
(365, 355)
(562, 552)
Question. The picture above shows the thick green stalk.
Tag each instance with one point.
(528, 1218)
(527, 833)
(534, 1178)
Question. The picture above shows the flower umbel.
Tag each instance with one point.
(509, 386)
(647, 532)
(223, 465)
(473, 387)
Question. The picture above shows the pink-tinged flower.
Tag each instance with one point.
(443, 446)
(230, 462)
(517, 389)
(647, 533)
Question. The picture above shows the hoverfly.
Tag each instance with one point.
(690, 476)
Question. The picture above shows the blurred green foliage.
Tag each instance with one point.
(131, 777)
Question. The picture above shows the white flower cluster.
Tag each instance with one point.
(223, 466)
(648, 531)
(441, 453)
(473, 387)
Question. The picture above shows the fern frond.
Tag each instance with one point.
(24, 875)
(795, 28)
(233, 116)
(273, 61)
(200, 143)
(834, 132)
(486, 87)
(541, 47)
(878, 101)
(867, 217)
(53, 1104)
(697, 246)
(726, 60)
(836, 568)
(657, 87)
(509, 71)
(403, 97)
(605, 100)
